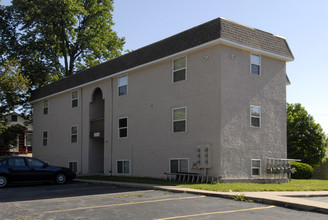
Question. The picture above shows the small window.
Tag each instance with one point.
(255, 64)
(179, 69)
(178, 165)
(45, 107)
(123, 85)
(75, 99)
(28, 139)
(14, 118)
(255, 116)
(73, 166)
(74, 134)
(123, 167)
(179, 119)
(45, 138)
(123, 127)
(256, 167)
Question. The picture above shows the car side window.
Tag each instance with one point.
(34, 162)
(18, 162)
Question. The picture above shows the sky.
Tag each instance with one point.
(303, 23)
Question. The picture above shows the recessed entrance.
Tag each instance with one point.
(96, 147)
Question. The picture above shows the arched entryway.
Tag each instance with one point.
(96, 146)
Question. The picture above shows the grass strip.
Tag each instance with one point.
(293, 185)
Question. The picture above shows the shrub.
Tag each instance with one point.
(303, 170)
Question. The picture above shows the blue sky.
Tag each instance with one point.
(303, 23)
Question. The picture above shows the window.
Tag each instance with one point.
(179, 69)
(123, 127)
(75, 99)
(14, 118)
(74, 134)
(255, 64)
(123, 167)
(256, 167)
(179, 119)
(28, 139)
(123, 85)
(255, 116)
(73, 166)
(17, 162)
(45, 138)
(178, 165)
(32, 162)
(45, 107)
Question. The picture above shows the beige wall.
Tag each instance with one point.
(217, 94)
(58, 122)
(240, 142)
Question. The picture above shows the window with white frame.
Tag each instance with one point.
(178, 165)
(73, 166)
(73, 134)
(75, 99)
(123, 85)
(123, 167)
(255, 112)
(255, 64)
(256, 167)
(123, 127)
(179, 69)
(179, 119)
(45, 107)
(45, 138)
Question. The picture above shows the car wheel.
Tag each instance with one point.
(60, 178)
(3, 181)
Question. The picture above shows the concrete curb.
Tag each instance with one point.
(293, 200)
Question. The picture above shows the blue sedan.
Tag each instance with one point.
(27, 169)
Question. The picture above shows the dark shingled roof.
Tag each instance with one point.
(212, 30)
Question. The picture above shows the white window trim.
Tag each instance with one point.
(256, 167)
(123, 160)
(173, 70)
(178, 159)
(179, 120)
(250, 114)
(127, 85)
(77, 165)
(77, 132)
(44, 138)
(46, 107)
(127, 128)
(250, 66)
(77, 98)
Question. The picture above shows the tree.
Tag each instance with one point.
(54, 39)
(305, 138)
(13, 90)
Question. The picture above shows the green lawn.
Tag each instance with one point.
(294, 185)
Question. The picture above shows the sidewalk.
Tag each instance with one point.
(293, 200)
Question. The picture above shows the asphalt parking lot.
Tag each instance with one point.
(91, 201)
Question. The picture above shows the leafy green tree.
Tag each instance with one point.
(305, 138)
(13, 90)
(54, 39)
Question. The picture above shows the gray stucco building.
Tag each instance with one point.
(210, 100)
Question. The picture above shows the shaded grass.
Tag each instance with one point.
(294, 185)
(130, 179)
